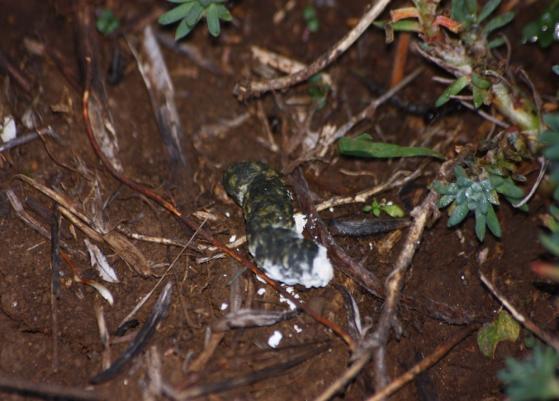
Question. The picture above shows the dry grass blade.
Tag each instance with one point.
(124, 248)
(157, 80)
(245, 318)
(146, 332)
(101, 119)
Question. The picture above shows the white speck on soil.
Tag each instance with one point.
(275, 339)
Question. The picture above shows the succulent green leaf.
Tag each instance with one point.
(478, 95)
(552, 152)
(471, 7)
(454, 89)
(493, 222)
(444, 201)
(552, 119)
(481, 222)
(509, 189)
(533, 378)
(498, 22)
(182, 30)
(458, 214)
(458, 10)
(212, 19)
(460, 172)
(194, 14)
(555, 69)
(362, 146)
(497, 42)
(551, 243)
(480, 82)
(488, 9)
(176, 13)
(224, 13)
(503, 328)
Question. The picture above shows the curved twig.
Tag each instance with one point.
(256, 88)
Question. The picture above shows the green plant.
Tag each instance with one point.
(476, 195)
(542, 30)
(474, 29)
(534, 378)
(550, 140)
(311, 19)
(190, 12)
(363, 146)
(388, 207)
(106, 22)
(462, 45)
(318, 90)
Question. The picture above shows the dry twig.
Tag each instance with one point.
(256, 88)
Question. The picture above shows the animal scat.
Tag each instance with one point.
(272, 239)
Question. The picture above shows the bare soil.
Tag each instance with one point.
(445, 268)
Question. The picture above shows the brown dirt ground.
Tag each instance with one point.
(445, 268)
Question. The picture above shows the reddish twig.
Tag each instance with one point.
(400, 59)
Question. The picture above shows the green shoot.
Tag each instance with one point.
(106, 22)
(189, 12)
(363, 146)
(387, 207)
(311, 19)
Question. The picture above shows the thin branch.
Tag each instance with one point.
(543, 169)
(421, 366)
(256, 88)
(395, 281)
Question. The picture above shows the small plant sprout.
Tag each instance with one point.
(311, 19)
(388, 207)
(534, 378)
(190, 12)
(106, 22)
(476, 195)
(318, 90)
